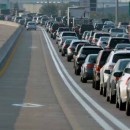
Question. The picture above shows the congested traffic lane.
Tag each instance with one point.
(121, 118)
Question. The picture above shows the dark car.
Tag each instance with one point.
(98, 26)
(81, 56)
(85, 27)
(101, 60)
(87, 68)
(113, 41)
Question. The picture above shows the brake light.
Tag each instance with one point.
(90, 65)
(98, 68)
(65, 46)
(127, 81)
(117, 78)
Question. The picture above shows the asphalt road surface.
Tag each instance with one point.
(39, 91)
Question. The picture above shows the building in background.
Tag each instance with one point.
(92, 4)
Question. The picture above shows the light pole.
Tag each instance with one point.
(116, 12)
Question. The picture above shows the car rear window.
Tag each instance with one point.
(92, 59)
(100, 35)
(87, 51)
(120, 56)
(69, 34)
(114, 42)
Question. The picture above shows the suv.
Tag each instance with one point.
(81, 56)
(101, 60)
(113, 41)
(71, 48)
(110, 63)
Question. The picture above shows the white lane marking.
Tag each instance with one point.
(27, 105)
(114, 120)
(98, 119)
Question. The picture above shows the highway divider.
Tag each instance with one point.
(8, 47)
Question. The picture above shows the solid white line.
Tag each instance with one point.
(98, 119)
(114, 120)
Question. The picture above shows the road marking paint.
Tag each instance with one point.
(114, 120)
(27, 105)
(98, 119)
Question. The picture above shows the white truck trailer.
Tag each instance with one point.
(79, 13)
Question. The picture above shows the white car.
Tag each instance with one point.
(109, 65)
(31, 26)
(121, 88)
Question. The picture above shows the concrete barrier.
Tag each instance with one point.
(8, 46)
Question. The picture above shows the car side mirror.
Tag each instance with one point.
(107, 72)
(117, 74)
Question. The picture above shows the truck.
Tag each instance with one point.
(77, 15)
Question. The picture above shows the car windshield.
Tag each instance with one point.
(92, 59)
(120, 56)
(69, 34)
(100, 35)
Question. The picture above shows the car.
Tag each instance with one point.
(60, 44)
(115, 31)
(87, 68)
(98, 26)
(102, 41)
(97, 35)
(81, 56)
(121, 88)
(65, 33)
(59, 30)
(100, 61)
(109, 65)
(122, 46)
(113, 41)
(113, 79)
(109, 23)
(128, 97)
(31, 26)
(106, 28)
(84, 34)
(66, 44)
(71, 48)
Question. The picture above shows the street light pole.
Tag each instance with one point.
(116, 12)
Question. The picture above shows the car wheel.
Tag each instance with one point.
(59, 50)
(121, 105)
(68, 59)
(101, 90)
(97, 83)
(93, 83)
(127, 108)
(62, 53)
(112, 97)
(117, 104)
(83, 80)
(104, 90)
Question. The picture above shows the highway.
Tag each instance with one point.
(39, 91)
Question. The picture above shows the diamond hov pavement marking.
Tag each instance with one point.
(27, 105)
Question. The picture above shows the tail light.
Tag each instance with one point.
(90, 65)
(98, 68)
(127, 81)
(65, 46)
(117, 78)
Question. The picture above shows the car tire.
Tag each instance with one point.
(112, 97)
(68, 59)
(83, 80)
(101, 90)
(62, 53)
(93, 83)
(104, 90)
(97, 83)
(127, 108)
(117, 104)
